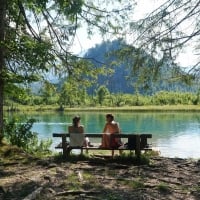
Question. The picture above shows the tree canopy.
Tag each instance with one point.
(36, 36)
(168, 31)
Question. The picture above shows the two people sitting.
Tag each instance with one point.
(111, 127)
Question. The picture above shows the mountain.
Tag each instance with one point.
(117, 81)
(122, 79)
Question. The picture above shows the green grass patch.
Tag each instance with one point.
(164, 188)
(113, 197)
(134, 184)
(131, 158)
(73, 182)
(58, 157)
(124, 158)
(157, 108)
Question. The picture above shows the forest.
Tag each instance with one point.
(114, 86)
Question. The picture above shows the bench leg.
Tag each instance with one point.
(66, 152)
(137, 150)
(113, 152)
(120, 152)
(64, 146)
(86, 151)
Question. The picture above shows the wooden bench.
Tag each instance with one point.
(136, 142)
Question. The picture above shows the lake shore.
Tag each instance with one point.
(151, 108)
(25, 177)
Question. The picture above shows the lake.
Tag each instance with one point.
(175, 134)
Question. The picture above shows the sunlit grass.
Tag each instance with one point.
(134, 184)
(124, 158)
(73, 182)
(163, 187)
(53, 108)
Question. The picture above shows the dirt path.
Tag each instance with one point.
(163, 178)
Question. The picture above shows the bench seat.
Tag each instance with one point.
(136, 142)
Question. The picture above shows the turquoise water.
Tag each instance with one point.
(174, 134)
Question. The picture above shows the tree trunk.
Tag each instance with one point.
(2, 61)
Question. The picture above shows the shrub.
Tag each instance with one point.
(20, 134)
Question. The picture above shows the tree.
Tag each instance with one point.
(36, 36)
(165, 33)
(48, 91)
(68, 95)
(2, 60)
(17, 94)
(102, 92)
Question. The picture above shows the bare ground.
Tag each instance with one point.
(98, 178)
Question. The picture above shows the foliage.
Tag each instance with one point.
(74, 96)
(173, 98)
(101, 94)
(48, 92)
(116, 100)
(18, 94)
(36, 37)
(165, 33)
(20, 134)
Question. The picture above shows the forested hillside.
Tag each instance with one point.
(117, 83)
(120, 78)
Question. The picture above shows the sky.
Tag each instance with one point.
(82, 43)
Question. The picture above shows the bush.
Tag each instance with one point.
(20, 134)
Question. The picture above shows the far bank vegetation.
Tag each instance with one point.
(78, 97)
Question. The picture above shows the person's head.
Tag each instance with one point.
(109, 117)
(76, 121)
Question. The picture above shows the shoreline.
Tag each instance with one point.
(151, 108)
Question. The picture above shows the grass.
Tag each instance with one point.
(13, 154)
(150, 108)
(134, 184)
(164, 188)
(103, 156)
(73, 182)
(9, 152)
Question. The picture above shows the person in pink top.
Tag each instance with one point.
(110, 127)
